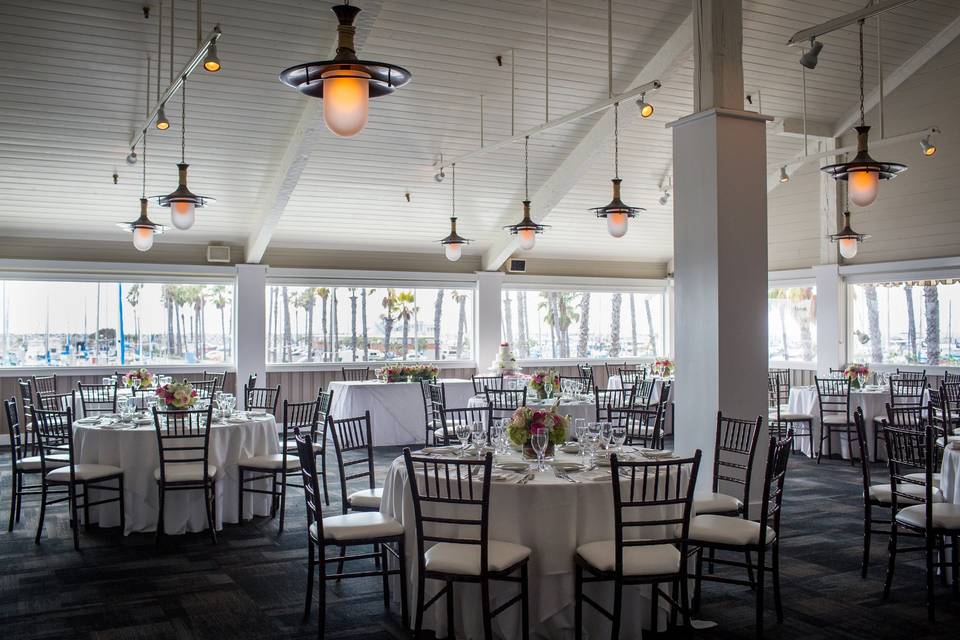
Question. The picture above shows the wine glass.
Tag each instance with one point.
(548, 389)
(606, 434)
(590, 445)
(478, 436)
(496, 436)
(580, 428)
(462, 431)
(538, 440)
(618, 435)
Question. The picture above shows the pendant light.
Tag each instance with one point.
(617, 213)
(143, 228)
(863, 173)
(526, 230)
(847, 239)
(453, 243)
(346, 83)
(182, 201)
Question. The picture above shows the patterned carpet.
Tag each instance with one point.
(251, 585)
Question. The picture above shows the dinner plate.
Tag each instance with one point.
(568, 467)
(89, 420)
(656, 453)
(513, 466)
(258, 414)
(573, 447)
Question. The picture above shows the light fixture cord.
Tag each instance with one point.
(862, 119)
(143, 193)
(616, 140)
(526, 168)
(453, 181)
(183, 121)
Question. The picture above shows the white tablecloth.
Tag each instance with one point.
(574, 409)
(135, 451)
(552, 517)
(950, 473)
(396, 408)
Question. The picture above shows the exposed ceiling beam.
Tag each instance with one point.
(793, 128)
(899, 75)
(296, 154)
(677, 48)
(800, 38)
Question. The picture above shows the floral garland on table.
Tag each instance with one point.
(177, 395)
(663, 367)
(526, 421)
(403, 372)
(855, 372)
(542, 377)
(144, 376)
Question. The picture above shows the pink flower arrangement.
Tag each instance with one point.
(856, 373)
(144, 376)
(526, 421)
(541, 378)
(663, 366)
(401, 372)
(177, 395)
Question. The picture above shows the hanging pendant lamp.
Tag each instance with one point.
(183, 202)
(346, 83)
(863, 173)
(617, 213)
(143, 228)
(847, 239)
(453, 243)
(526, 230)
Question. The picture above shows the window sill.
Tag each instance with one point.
(104, 370)
(336, 366)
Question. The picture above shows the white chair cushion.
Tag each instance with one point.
(727, 530)
(922, 477)
(648, 560)
(32, 464)
(464, 559)
(363, 525)
(292, 446)
(883, 493)
(836, 418)
(641, 430)
(273, 461)
(945, 516)
(785, 415)
(716, 503)
(368, 498)
(185, 472)
(84, 472)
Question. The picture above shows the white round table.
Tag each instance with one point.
(396, 408)
(134, 449)
(950, 471)
(552, 517)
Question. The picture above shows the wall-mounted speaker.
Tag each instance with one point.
(517, 266)
(216, 253)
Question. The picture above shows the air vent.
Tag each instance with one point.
(518, 266)
(218, 254)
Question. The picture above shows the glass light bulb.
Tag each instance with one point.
(143, 238)
(453, 251)
(646, 110)
(929, 150)
(528, 238)
(182, 215)
(848, 247)
(345, 101)
(863, 187)
(617, 224)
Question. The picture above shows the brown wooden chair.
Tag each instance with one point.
(656, 493)
(906, 390)
(220, 378)
(585, 382)
(27, 401)
(833, 395)
(45, 384)
(501, 403)
(451, 558)
(98, 398)
(354, 374)
(604, 399)
(735, 447)
(482, 383)
(436, 401)
(779, 417)
(57, 401)
(262, 399)
(206, 389)
(612, 368)
(644, 427)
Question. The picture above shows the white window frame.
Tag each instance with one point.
(786, 279)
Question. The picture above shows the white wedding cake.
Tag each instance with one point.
(505, 362)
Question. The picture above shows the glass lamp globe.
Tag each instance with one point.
(346, 97)
(863, 187)
(143, 238)
(617, 224)
(848, 247)
(453, 251)
(528, 238)
(182, 215)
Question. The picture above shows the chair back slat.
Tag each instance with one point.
(311, 485)
(482, 383)
(98, 398)
(17, 448)
(262, 398)
(734, 450)
(775, 475)
(951, 378)
(911, 374)
(613, 398)
(450, 418)
(354, 374)
(833, 395)
(319, 432)
(632, 376)
(910, 451)
(502, 403)
(183, 437)
(907, 390)
(57, 401)
(205, 388)
(353, 444)
(54, 431)
(585, 382)
(45, 384)
(219, 378)
(644, 427)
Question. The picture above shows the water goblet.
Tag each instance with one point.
(496, 435)
(580, 429)
(606, 434)
(618, 435)
(548, 389)
(538, 440)
(478, 436)
(462, 431)
(590, 446)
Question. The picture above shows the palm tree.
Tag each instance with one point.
(931, 312)
(275, 295)
(911, 324)
(220, 301)
(559, 315)
(353, 323)
(508, 318)
(363, 319)
(460, 299)
(389, 304)
(323, 293)
(873, 323)
(406, 310)
(650, 329)
(584, 341)
(615, 325)
(334, 326)
(133, 299)
(437, 316)
(633, 320)
(286, 324)
(548, 307)
(168, 295)
(522, 324)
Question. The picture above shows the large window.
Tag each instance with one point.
(47, 323)
(359, 324)
(544, 324)
(905, 322)
(792, 324)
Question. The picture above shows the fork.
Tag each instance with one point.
(525, 479)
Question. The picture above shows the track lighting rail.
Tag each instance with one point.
(906, 137)
(804, 36)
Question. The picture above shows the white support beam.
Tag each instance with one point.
(800, 38)
(296, 154)
(793, 128)
(677, 48)
(899, 75)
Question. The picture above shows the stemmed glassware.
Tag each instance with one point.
(462, 431)
(548, 389)
(591, 444)
(496, 436)
(478, 436)
(538, 440)
(580, 428)
(618, 435)
(606, 434)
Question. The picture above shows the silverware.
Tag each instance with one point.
(527, 478)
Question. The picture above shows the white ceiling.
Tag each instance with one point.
(72, 83)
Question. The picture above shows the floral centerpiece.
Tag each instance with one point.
(526, 421)
(405, 372)
(857, 374)
(144, 376)
(663, 367)
(543, 377)
(177, 395)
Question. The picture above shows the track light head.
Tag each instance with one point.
(928, 146)
(211, 62)
(784, 176)
(132, 158)
(162, 123)
(664, 199)
(810, 58)
(646, 109)
(440, 175)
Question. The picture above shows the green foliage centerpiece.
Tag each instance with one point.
(408, 373)
(541, 378)
(526, 421)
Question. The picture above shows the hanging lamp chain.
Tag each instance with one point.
(616, 140)
(526, 168)
(143, 193)
(862, 119)
(453, 181)
(183, 121)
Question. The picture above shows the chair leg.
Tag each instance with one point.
(485, 608)
(311, 565)
(685, 600)
(160, 517)
(14, 496)
(711, 554)
(240, 495)
(524, 603)
(618, 609)
(931, 577)
(748, 561)
(19, 495)
(654, 609)
(775, 576)
(74, 516)
(283, 499)
(86, 508)
(760, 561)
(123, 517)
(578, 603)
(451, 634)
(941, 543)
(322, 604)
(891, 560)
(208, 490)
(386, 577)
(418, 615)
(323, 474)
(43, 510)
(954, 565)
(867, 525)
(698, 581)
(404, 605)
(273, 496)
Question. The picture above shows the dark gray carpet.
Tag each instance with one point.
(251, 585)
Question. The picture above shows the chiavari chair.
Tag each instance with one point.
(586, 371)
(643, 393)
(906, 390)
(951, 394)
(55, 437)
(436, 399)
(631, 376)
(585, 382)
(502, 403)
(735, 447)
(354, 374)
(740, 535)
(219, 378)
(611, 368)
(183, 444)
(98, 399)
(951, 378)
(833, 395)
(27, 402)
(654, 493)
(205, 389)
(612, 398)
(458, 490)
(347, 530)
(261, 399)
(910, 451)
(779, 417)
(482, 383)
(252, 381)
(911, 374)
(450, 418)
(644, 427)
(318, 436)
(431, 419)
(45, 384)
(276, 467)
(56, 401)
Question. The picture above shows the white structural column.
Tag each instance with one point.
(720, 243)
(251, 323)
(831, 318)
(486, 315)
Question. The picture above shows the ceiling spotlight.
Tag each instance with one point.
(132, 157)
(664, 199)
(784, 177)
(162, 123)
(646, 109)
(809, 58)
(929, 148)
(440, 175)
(211, 62)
